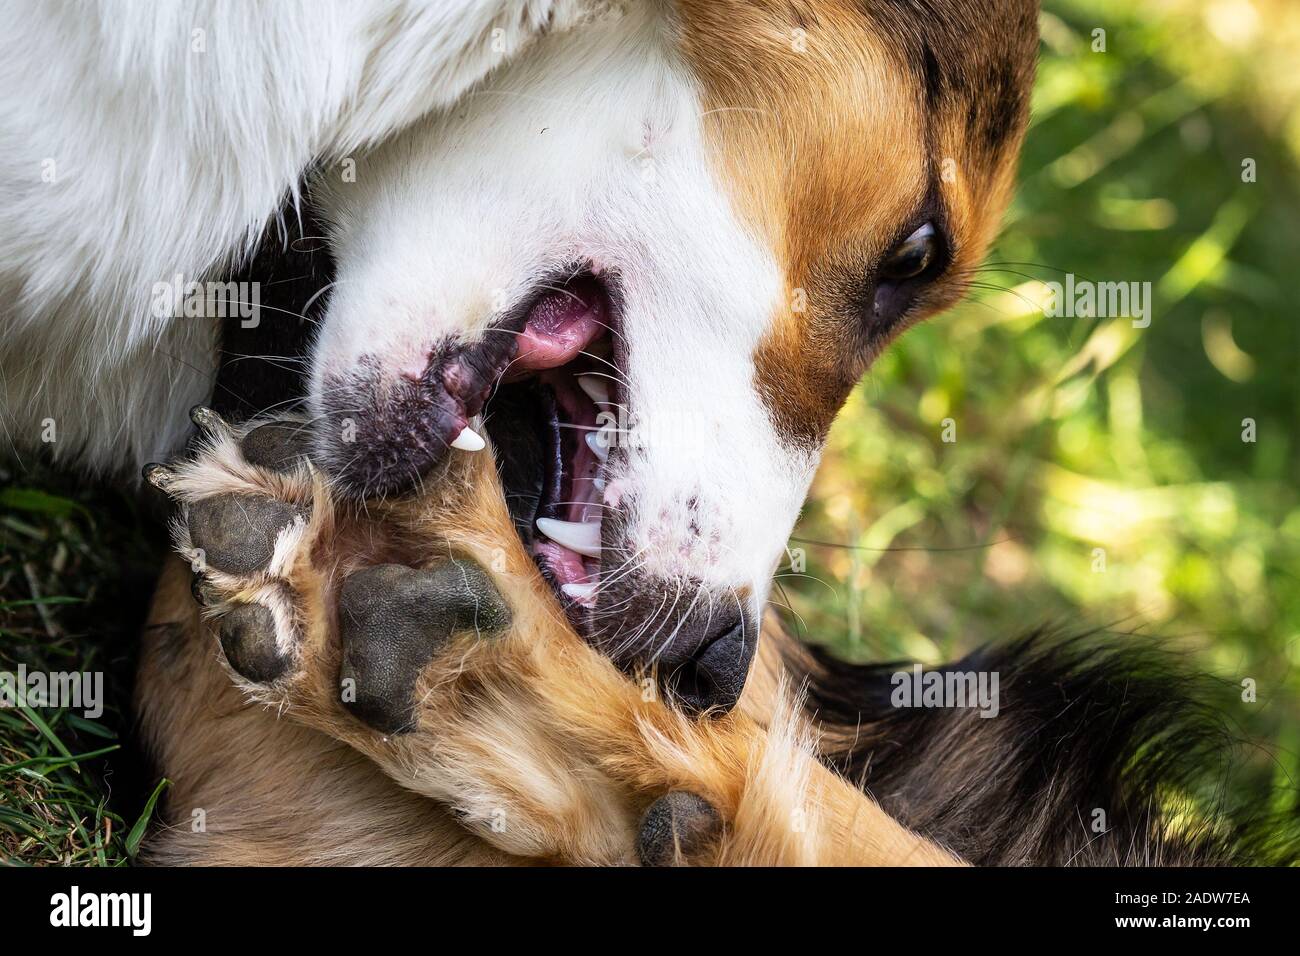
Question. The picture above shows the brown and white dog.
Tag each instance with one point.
(425, 701)
(682, 230)
(378, 640)
(647, 257)
(666, 243)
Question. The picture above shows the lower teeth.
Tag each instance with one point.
(579, 592)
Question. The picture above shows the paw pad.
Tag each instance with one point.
(393, 620)
(676, 826)
(237, 533)
(248, 639)
(277, 446)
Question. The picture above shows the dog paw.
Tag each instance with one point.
(293, 582)
(394, 620)
(248, 639)
(420, 633)
(383, 624)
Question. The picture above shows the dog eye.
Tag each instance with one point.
(902, 275)
(911, 257)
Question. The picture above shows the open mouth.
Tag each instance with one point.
(553, 422)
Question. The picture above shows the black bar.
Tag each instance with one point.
(208, 905)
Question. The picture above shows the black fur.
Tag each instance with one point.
(974, 58)
(264, 366)
(1085, 724)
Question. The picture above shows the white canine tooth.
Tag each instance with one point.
(469, 440)
(580, 536)
(597, 442)
(597, 388)
(579, 592)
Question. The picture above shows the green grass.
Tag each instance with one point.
(75, 570)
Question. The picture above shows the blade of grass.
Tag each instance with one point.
(136, 835)
(58, 761)
(92, 727)
(40, 502)
(49, 734)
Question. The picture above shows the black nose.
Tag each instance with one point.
(714, 675)
(700, 649)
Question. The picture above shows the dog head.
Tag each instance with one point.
(651, 256)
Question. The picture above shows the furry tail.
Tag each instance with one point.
(1099, 755)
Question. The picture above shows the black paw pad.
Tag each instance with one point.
(277, 446)
(248, 639)
(676, 826)
(237, 533)
(394, 619)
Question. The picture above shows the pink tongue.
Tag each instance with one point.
(560, 326)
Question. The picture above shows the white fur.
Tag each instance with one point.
(140, 140)
(585, 147)
(589, 149)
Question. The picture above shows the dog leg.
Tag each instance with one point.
(383, 625)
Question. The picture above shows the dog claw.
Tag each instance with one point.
(393, 620)
(202, 591)
(208, 420)
(675, 827)
(158, 475)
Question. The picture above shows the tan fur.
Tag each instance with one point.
(823, 135)
(541, 749)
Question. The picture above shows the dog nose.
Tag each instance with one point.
(702, 655)
(712, 676)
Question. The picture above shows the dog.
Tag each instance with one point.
(684, 228)
(403, 637)
(153, 143)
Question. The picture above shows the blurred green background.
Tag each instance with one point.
(1077, 434)
(1072, 434)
